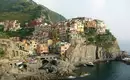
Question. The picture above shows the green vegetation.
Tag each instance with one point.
(104, 40)
(90, 31)
(1, 27)
(1, 52)
(3, 34)
(15, 16)
(20, 33)
(26, 10)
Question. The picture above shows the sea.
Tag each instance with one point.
(105, 71)
(114, 70)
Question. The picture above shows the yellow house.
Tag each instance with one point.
(50, 42)
(80, 27)
(24, 41)
(27, 45)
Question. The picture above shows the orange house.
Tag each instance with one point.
(42, 48)
(92, 24)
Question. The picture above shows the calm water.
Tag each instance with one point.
(106, 71)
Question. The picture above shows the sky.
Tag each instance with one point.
(115, 13)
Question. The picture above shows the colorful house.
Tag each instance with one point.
(73, 26)
(27, 45)
(32, 44)
(101, 27)
(42, 48)
(36, 22)
(80, 27)
(91, 24)
(64, 47)
(49, 42)
(12, 25)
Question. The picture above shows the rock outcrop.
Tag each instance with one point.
(80, 52)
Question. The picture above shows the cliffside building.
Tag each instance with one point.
(64, 47)
(42, 49)
(12, 25)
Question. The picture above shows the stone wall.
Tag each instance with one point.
(16, 53)
(11, 50)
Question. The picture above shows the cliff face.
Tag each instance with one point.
(79, 52)
(91, 42)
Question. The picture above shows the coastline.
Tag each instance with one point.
(63, 71)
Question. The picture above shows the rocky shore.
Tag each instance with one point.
(65, 68)
(9, 73)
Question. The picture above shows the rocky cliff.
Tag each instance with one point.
(91, 42)
(80, 52)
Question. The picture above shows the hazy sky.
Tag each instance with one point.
(115, 13)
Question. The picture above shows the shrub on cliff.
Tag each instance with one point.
(105, 40)
(1, 52)
(90, 31)
(4, 35)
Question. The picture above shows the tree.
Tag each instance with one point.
(90, 31)
(105, 40)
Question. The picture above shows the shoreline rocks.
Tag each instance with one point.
(64, 69)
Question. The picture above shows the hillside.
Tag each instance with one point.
(26, 10)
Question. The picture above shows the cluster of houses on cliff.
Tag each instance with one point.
(15, 48)
(79, 24)
(11, 25)
(47, 37)
(36, 22)
(14, 25)
(60, 33)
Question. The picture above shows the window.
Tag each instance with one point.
(13, 53)
(65, 47)
(17, 53)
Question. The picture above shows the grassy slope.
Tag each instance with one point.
(24, 10)
(14, 16)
